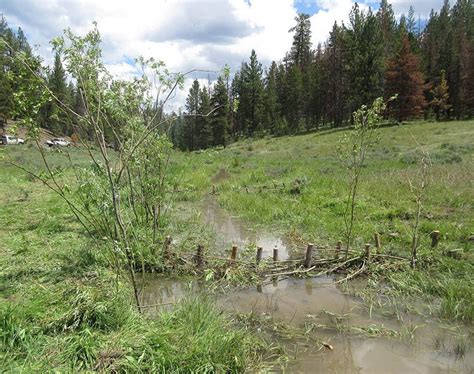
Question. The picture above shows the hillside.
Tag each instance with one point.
(297, 187)
(311, 162)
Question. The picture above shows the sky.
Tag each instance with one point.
(185, 34)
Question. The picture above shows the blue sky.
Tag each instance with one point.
(423, 8)
(304, 6)
(185, 34)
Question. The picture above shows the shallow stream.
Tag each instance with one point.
(361, 342)
(232, 230)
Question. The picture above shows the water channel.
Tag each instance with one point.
(357, 337)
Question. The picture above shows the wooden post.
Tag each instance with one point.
(233, 255)
(434, 238)
(367, 252)
(377, 241)
(338, 249)
(275, 254)
(309, 253)
(166, 245)
(259, 255)
(199, 256)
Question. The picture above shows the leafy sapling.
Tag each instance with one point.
(352, 150)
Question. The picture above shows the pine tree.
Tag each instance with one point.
(438, 47)
(466, 79)
(57, 79)
(272, 110)
(236, 128)
(251, 95)
(318, 89)
(335, 62)
(429, 48)
(295, 96)
(387, 24)
(404, 78)
(192, 109)
(461, 41)
(56, 117)
(23, 44)
(220, 114)
(444, 36)
(204, 137)
(177, 131)
(440, 101)
(283, 97)
(413, 32)
(365, 62)
(300, 53)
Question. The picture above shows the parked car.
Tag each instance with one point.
(60, 142)
(10, 139)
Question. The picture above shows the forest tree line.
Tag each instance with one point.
(429, 65)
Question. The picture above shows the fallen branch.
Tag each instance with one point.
(327, 271)
(352, 275)
(298, 271)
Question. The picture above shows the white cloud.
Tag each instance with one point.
(122, 70)
(272, 19)
(422, 8)
(185, 34)
(330, 11)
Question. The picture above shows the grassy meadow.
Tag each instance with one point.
(296, 185)
(62, 307)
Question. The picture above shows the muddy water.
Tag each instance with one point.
(160, 294)
(232, 230)
(339, 319)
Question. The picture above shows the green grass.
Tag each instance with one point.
(63, 309)
(385, 203)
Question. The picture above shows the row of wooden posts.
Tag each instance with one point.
(199, 258)
(214, 188)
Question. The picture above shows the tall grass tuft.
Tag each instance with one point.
(195, 338)
(13, 335)
(81, 350)
(91, 307)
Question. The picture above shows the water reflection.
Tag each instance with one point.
(231, 230)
